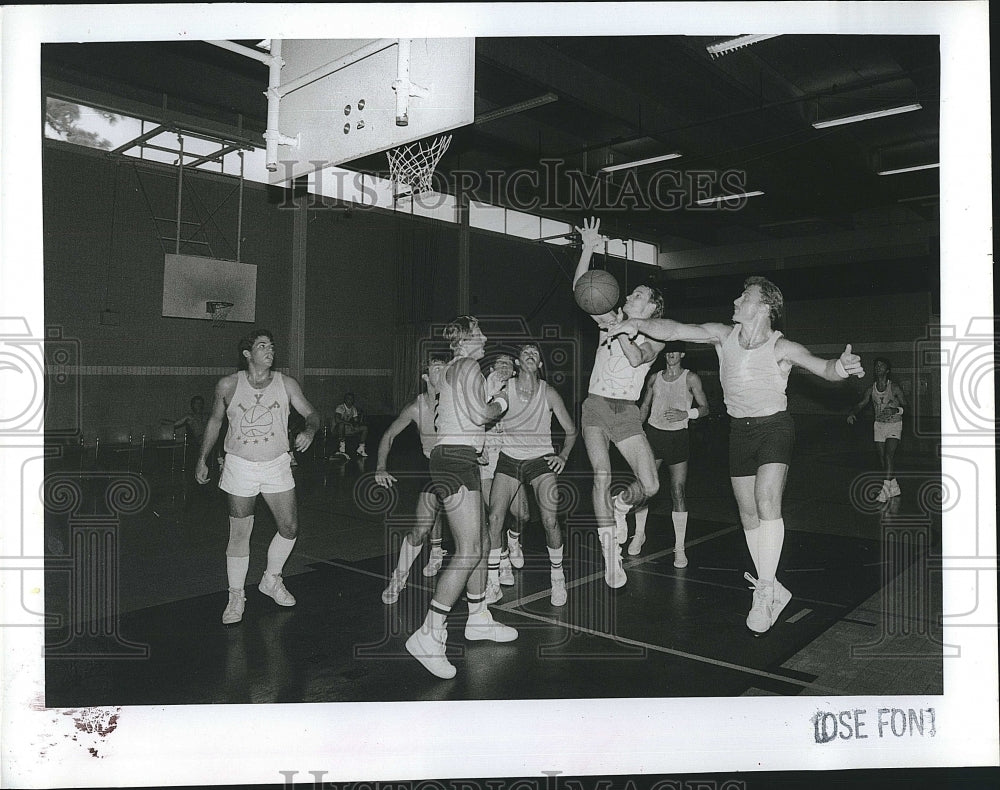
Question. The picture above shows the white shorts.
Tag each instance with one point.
(888, 430)
(241, 477)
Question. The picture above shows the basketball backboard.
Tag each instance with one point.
(352, 112)
(191, 281)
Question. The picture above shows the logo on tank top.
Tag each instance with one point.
(257, 422)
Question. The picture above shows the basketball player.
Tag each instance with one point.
(461, 409)
(888, 402)
(666, 410)
(754, 363)
(420, 411)
(610, 413)
(528, 458)
(499, 566)
(256, 400)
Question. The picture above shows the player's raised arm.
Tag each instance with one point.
(847, 364)
(590, 235)
(667, 330)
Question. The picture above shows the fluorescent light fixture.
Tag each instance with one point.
(867, 116)
(513, 109)
(909, 169)
(722, 198)
(724, 47)
(639, 162)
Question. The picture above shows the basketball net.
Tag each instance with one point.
(219, 311)
(413, 165)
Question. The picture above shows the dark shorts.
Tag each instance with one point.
(619, 419)
(415, 481)
(522, 471)
(452, 467)
(754, 441)
(671, 447)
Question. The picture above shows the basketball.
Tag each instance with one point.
(596, 291)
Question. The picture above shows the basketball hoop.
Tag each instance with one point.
(219, 311)
(413, 164)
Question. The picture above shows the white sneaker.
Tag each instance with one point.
(397, 582)
(271, 585)
(769, 600)
(361, 451)
(483, 626)
(680, 558)
(883, 494)
(234, 609)
(493, 592)
(428, 646)
(894, 488)
(635, 545)
(516, 554)
(506, 572)
(620, 510)
(781, 598)
(614, 572)
(559, 595)
(434, 563)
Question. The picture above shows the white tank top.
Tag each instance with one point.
(883, 399)
(528, 424)
(425, 423)
(453, 421)
(613, 375)
(753, 383)
(258, 420)
(670, 395)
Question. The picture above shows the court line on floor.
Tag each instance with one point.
(679, 653)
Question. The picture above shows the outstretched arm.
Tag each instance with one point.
(590, 234)
(558, 462)
(847, 364)
(666, 329)
(406, 416)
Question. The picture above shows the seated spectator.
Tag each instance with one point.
(349, 420)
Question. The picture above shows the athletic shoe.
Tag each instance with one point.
(397, 582)
(614, 573)
(635, 545)
(493, 592)
(883, 494)
(434, 563)
(361, 451)
(559, 591)
(680, 558)
(516, 555)
(506, 572)
(427, 646)
(894, 488)
(340, 456)
(483, 626)
(271, 585)
(620, 510)
(781, 599)
(234, 609)
(759, 619)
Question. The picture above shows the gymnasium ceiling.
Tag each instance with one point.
(629, 98)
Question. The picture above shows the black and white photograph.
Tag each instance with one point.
(564, 391)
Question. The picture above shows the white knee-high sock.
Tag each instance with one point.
(278, 552)
(680, 519)
(555, 562)
(493, 566)
(407, 554)
(236, 571)
(772, 537)
(641, 514)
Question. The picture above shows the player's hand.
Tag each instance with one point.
(674, 415)
(851, 419)
(590, 234)
(303, 440)
(495, 382)
(628, 327)
(384, 479)
(201, 472)
(556, 463)
(852, 363)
